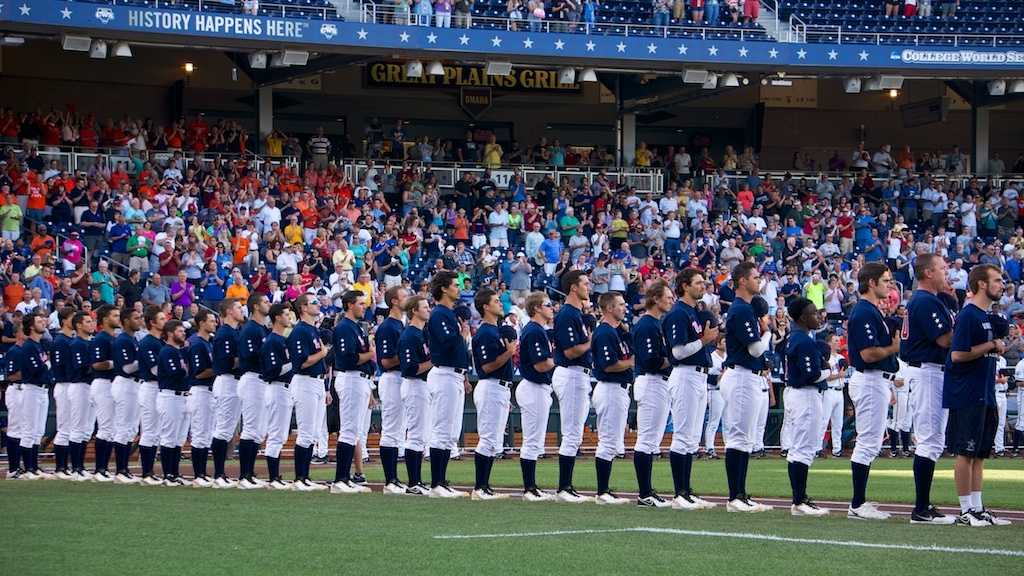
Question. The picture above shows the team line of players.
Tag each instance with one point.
(167, 391)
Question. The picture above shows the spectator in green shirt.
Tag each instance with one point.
(104, 282)
(10, 218)
(568, 225)
(139, 248)
(815, 290)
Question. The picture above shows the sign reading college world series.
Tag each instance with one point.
(675, 49)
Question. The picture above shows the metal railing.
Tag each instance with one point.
(81, 159)
(644, 180)
(372, 13)
(831, 33)
(836, 177)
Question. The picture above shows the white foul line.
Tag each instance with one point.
(743, 536)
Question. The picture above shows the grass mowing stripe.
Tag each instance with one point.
(742, 536)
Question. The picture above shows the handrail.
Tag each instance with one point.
(796, 27)
(845, 35)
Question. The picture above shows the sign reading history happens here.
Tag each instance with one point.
(802, 93)
(390, 75)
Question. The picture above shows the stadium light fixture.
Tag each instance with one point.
(894, 93)
(695, 76)
(189, 67)
(258, 60)
(499, 68)
(588, 75)
(414, 69)
(435, 68)
(13, 40)
(122, 50)
(98, 49)
(997, 87)
(76, 43)
(567, 75)
(730, 80)
(1017, 86)
(852, 85)
(711, 82)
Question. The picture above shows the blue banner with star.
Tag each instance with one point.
(107, 20)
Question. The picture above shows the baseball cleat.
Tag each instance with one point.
(343, 487)
(83, 476)
(176, 481)
(704, 504)
(418, 490)
(487, 494)
(972, 519)
(202, 482)
(304, 485)
(866, 511)
(44, 475)
(685, 502)
(247, 484)
(63, 475)
(222, 482)
(535, 495)
(741, 504)
(761, 507)
(807, 508)
(14, 474)
(711, 455)
(358, 478)
(152, 480)
(610, 499)
(570, 495)
(258, 482)
(441, 491)
(394, 488)
(931, 516)
(102, 476)
(125, 478)
(279, 484)
(993, 519)
(653, 501)
(28, 475)
(318, 460)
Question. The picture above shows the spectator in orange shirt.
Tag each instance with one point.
(43, 244)
(14, 291)
(239, 249)
(35, 205)
(237, 289)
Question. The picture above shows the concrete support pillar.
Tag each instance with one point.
(979, 140)
(265, 111)
(627, 138)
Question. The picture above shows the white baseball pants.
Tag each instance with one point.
(653, 396)
(173, 415)
(786, 435)
(741, 390)
(34, 406)
(200, 413)
(126, 409)
(534, 402)
(278, 404)
(1000, 441)
(149, 420)
(416, 402)
(252, 396)
(308, 393)
(611, 418)
(446, 402)
(103, 403)
(715, 406)
(354, 390)
(832, 412)
(81, 423)
(226, 407)
(762, 415)
(12, 400)
(870, 394)
(804, 408)
(929, 415)
(63, 409)
(392, 412)
(492, 401)
(572, 387)
(689, 397)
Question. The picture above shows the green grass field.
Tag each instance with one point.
(61, 527)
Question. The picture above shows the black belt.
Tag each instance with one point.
(840, 388)
(701, 369)
(279, 383)
(462, 371)
(662, 376)
(175, 392)
(921, 364)
(583, 369)
(132, 378)
(887, 375)
(505, 383)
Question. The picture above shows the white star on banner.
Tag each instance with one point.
(496, 41)
(801, 53)
(683, 48)
(832, 54)
(590, 46)
(404, 36)
(463, 40)
(432, 38)
(743, 51)
(621, 46)
(25, 9)
(773, 53)
(361, 34)
(527, 43)
(559, 44)
(65, 13)
(651, 48)
(713, 51)
(863, 55)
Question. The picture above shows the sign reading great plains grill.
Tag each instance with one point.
(389, 75)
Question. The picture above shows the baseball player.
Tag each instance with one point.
(688, 340)
(308, 386)
(747, 338)
(80, 372)
(389, 388)
(226, 406)
(275, 370)
(61, 361)
(200, 403)
(125, 391)
(172, 378)
(101, 355)
(353, 381)
(1002, 385)
(447, 338)
(613, 369)
(805, 380)
(492, 356)
(12, 396)
(873, 356)
(149, 423)
(34, 377)
(899, 422)
(651, 390)
(533, 394)
(767, 397)
(832, 401)
(571, 378)
(924, 343)
(252, 390)
(415, 363)
(969, 391)
(715, 401)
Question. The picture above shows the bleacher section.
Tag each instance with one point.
(976, 23)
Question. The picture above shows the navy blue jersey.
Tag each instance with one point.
(927, 319)
(60, 361)
(681, 326)
(171, 369)
(570, 331)
(149, 354)
(803, 361)
(447, 346)
(488, 345)
(726, 297)
(35, 364)
(125, 352)
(275, 365)
(534, 347)
(79, 369)
(412, 351)
(303, 342)
(386, 340)
(741, 330)
(12, 359)
(250, 340)
(970, 383)
(225, 351)
(200, 357)
(649, 344)
(609, 348)
(349, 342)
(101, 349)
(868, 330)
